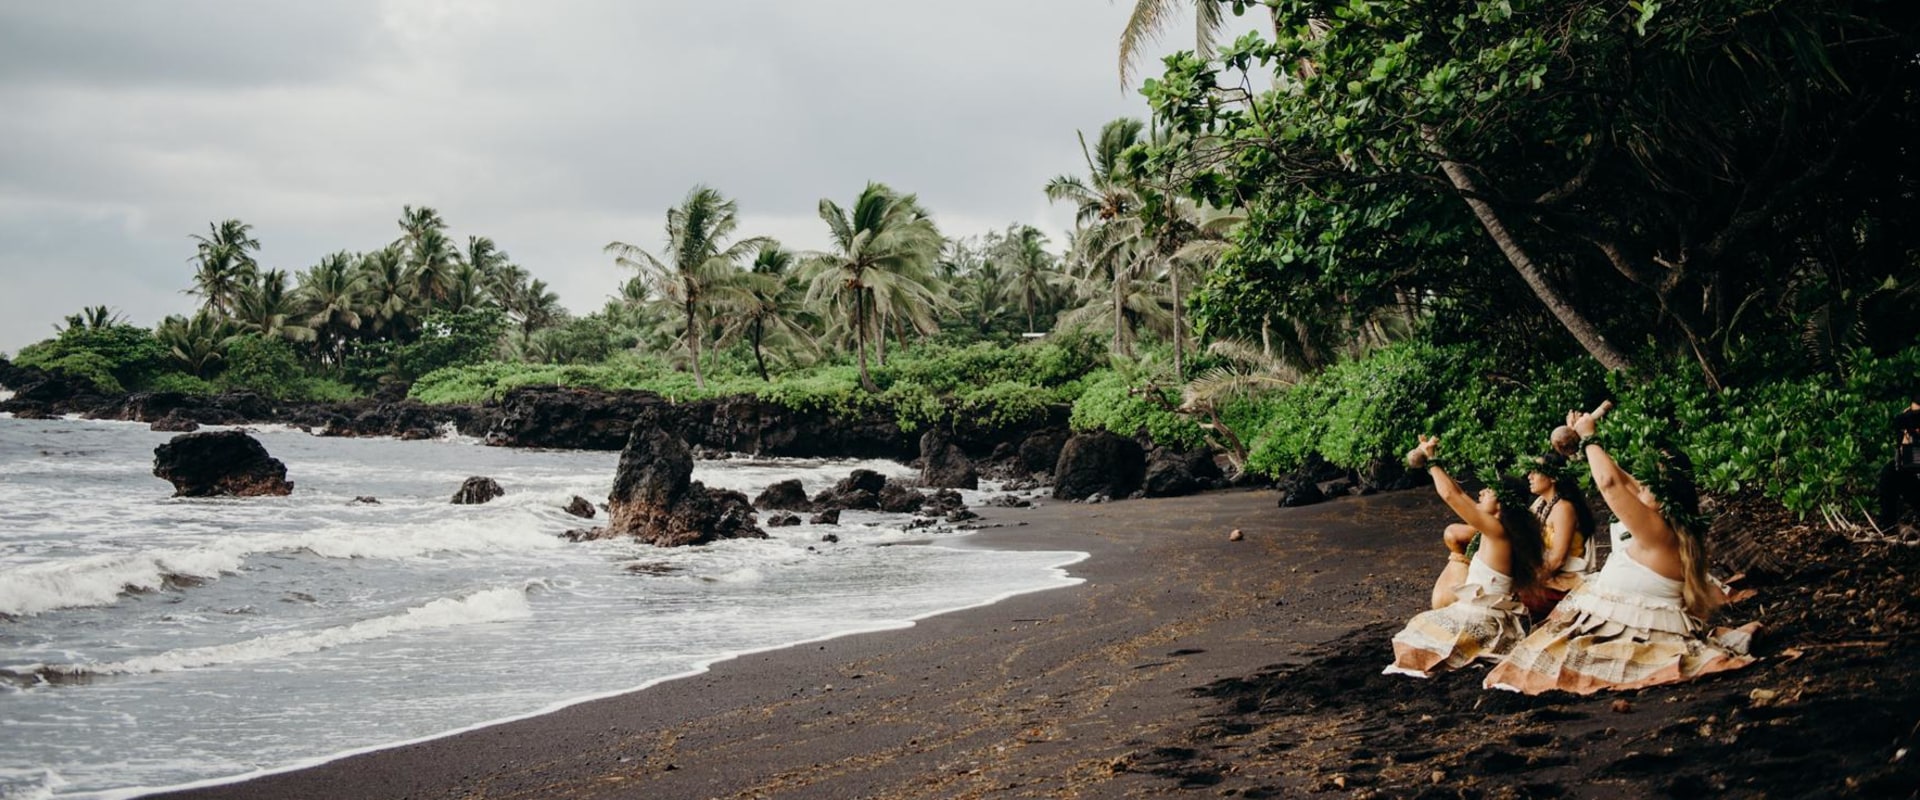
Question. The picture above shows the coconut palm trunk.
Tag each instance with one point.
(1576, 323)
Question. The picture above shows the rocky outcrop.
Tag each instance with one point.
(476, 490)
(220, 463)
(943, 503)
(174, 423)
(579, 507)
(787, 495)
(943, 465)
(575, 419)
(898, 499)
(783, 519)
(859, 491)
(1039, 452)
(828, 517)
(1098, 464)
(1171, 473)
(655, 500)
(1307, 485)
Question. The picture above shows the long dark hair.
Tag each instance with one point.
(1523, 534)
(1568, 490)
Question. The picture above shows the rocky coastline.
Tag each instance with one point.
(1040, 452)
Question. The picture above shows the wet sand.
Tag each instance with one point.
(1189, 664)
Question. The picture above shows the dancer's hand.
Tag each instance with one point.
(1586, 424)
(1422, 452)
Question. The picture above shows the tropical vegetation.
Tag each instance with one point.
(1366, 220)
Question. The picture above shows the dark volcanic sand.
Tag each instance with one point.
(1191, 665)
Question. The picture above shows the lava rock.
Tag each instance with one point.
(655, 500)
(174, 423)
(579, 507)
(1171, 473)
(830, 516)
(783, 519)
(897, 499)
(943, 465)
(1010, 501)
(943, 502)
(220, 463)
(787, 495)
(860, 491)
(1098, 463)
(476, 490)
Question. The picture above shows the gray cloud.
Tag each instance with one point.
(551, 127)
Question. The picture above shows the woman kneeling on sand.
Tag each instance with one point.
(1483, 619)
(1637, 622)
(1567, 526)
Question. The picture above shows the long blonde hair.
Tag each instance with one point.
(1680, 507)
(1697, 592)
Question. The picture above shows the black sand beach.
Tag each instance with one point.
(1193, 665)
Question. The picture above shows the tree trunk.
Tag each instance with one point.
(758, 359)
(860, 338)
(693, 343)
(879, 329)
(1179, 329)
(1576, 323)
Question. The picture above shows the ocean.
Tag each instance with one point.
(150, 642)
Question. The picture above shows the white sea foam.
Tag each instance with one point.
(102, 579)
(492, 605)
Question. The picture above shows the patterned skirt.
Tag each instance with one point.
(1598, 640)
(1480, 624)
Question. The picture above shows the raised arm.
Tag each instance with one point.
(1421, 456)
(1623, 494)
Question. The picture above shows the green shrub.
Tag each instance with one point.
(113, 357)
(1807, 441)
(1112, 401)
(326, 390)
(265, 366)
(181, 382)
(1008, 403)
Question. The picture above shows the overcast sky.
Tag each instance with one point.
(553, 127)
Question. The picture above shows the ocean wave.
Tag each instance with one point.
(492, 605)
(100, 580)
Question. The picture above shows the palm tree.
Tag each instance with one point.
(387, 295)
(1110, 190)
(1110, 271)
(198, 343)
(536, 307)
(1022, 257)
(415, 222)
(269, 309)
(432, 266)
(93, 318)
(881, 248)
(1151, 17)
(697, 257)
(766, 304)
(485, 256)
(466, 288)
(225, 263)
(331, 302)
(1107, 248)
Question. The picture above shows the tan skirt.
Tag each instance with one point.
(1480, 624)
(1599, 640)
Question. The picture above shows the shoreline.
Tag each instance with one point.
(684, 706)
(699, 668)
(1185, 662)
